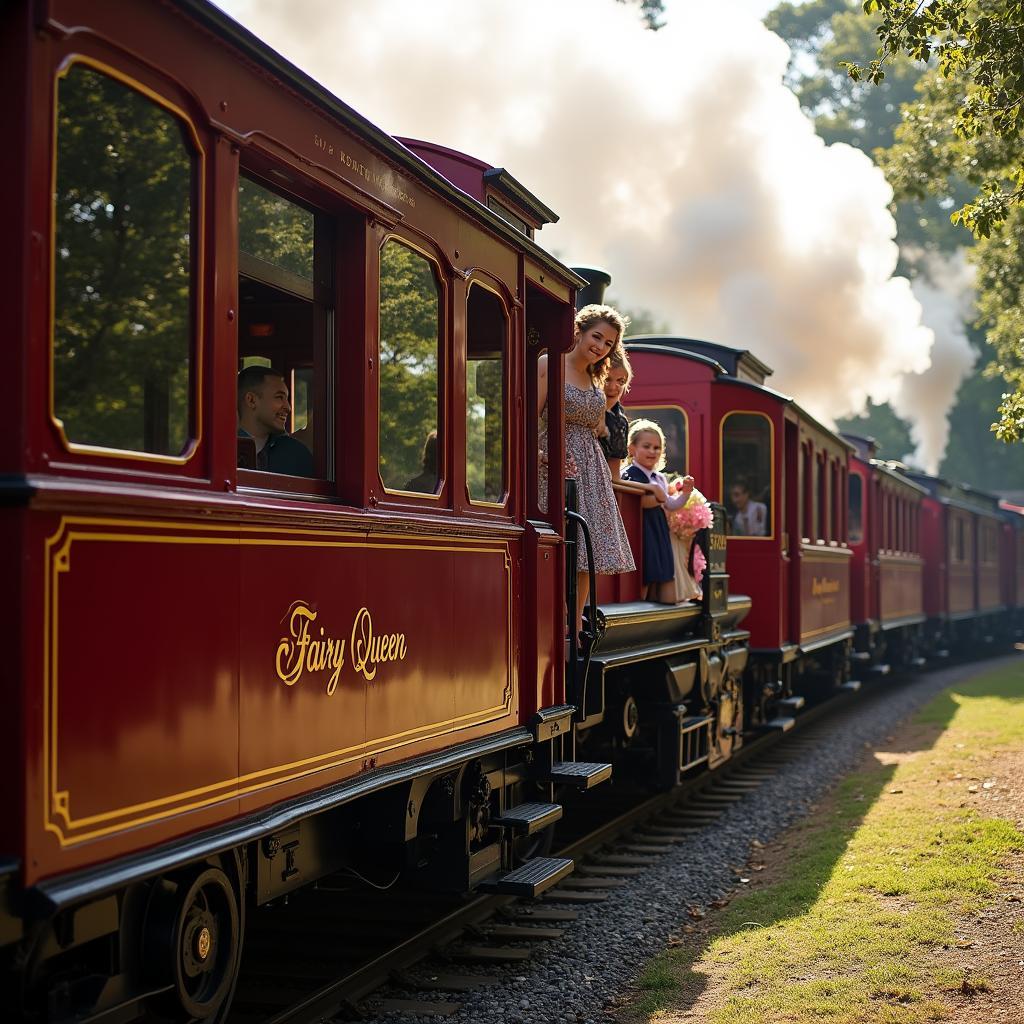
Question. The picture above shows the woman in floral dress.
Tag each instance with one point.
(599, 331)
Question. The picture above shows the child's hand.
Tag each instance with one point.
(687, 484)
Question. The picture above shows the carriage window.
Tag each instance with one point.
(486, 334)
(959, 541)
(274, 230)
(747, 473)
(410, 399)
(285, 335)
(123, 268)
(856, 509)
(672, 421)
(821, 471)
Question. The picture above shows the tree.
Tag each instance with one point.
(122, 335)
(409, 346)
(966, 122)
(890, 432)
(821, 33)
(650, 10)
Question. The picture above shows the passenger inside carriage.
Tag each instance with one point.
(263, 412)
(749, 518)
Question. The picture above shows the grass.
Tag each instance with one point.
(854, 929)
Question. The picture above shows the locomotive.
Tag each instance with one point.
(227, 680)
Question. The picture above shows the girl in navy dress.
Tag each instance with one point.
(647, 459)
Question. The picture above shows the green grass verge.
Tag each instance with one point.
(875, 885)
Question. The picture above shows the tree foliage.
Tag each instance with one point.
(889, 431)
(409, 343)
(650, 10)
(965, 123)
(122, 310)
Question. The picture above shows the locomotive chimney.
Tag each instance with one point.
(597, 281)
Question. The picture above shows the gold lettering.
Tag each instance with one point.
(299, 652)
(823, 585)
(303, 651)
(369, 652)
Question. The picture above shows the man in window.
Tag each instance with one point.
(263, 412)
(751, 517)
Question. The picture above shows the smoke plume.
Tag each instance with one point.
(945, 289)
(677, 160)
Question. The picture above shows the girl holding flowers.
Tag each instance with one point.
(672, 516)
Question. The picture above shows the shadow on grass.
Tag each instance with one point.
(672, 982)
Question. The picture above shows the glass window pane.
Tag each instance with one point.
(856, 509)
(409, 358)
(673, 425)
(275, 230)
(486, 333)
(123, 268)
(747, 474)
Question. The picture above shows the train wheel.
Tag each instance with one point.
(193, 941)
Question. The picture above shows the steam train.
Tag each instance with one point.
(225, 683)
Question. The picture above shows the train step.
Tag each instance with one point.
(860, 656)
(881, 669)
(578, 774)
(525, 819)
(851, 685)
(790, 703)
(781, 724)
(918, 662)
(533, 878)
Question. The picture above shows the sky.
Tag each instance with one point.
(679, 162)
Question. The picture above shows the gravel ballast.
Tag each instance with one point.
(573, 979)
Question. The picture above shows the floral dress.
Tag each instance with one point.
(584, 412)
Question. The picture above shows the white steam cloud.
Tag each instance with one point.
(677, 160)
(945, 288)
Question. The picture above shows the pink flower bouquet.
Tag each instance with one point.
(684, 523)
(695, 515)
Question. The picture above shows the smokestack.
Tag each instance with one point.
(597, 281)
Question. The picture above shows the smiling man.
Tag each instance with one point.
(263, 412)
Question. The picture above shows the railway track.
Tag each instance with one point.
(346, 945)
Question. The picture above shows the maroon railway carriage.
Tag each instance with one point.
(887, 591)
(224, 681)
(782, 478)
(1011, 564)
(964, 584)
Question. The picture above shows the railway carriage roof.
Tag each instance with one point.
(654, 344)
(898, 472)
(736, 362)
(961, 496)
(256, 49)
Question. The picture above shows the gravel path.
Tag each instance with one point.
(572, 979)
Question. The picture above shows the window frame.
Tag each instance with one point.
(772, 483)
(506, 384)
(324, 303)
(859, 539)
(441, 497)
(673, 408)
(197, 268)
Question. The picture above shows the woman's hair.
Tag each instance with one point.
(618, 360)
(638, 427)
(593, 314)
